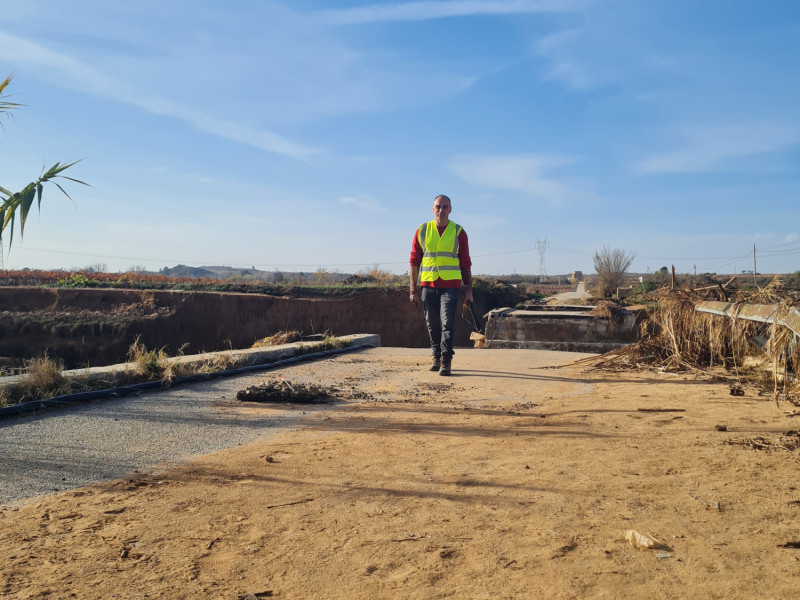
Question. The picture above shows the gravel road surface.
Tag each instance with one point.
(67, 448)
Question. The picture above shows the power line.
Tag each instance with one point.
(541, 247)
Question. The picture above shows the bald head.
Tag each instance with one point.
(441, 210)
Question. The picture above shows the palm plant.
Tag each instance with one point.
(19, 203)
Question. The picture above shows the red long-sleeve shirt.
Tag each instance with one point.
(463, 258)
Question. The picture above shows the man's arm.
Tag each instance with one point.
(413, 286)
(465, 265)
(415, 260)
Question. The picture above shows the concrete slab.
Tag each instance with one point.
(566, 330)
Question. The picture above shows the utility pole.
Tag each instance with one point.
(755, 283)
(695, 270)
(541, 246)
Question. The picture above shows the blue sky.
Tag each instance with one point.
(306, 134)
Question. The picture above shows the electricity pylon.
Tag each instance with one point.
(541, 246)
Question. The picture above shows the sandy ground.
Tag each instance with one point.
(518, 477)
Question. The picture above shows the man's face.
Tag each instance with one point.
(441, 211)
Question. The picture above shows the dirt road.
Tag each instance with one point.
(518, 477)
(580, 293)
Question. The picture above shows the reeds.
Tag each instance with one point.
(676, 337)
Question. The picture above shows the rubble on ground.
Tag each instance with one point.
(283, 391)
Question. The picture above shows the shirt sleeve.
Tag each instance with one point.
(416, 251)
(464, 260)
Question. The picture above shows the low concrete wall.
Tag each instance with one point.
(570, 331)
(115, 375)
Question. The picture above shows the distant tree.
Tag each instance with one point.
(322, 275)
(661, 277)
(19, 203)
(98, 267)
(610, 266)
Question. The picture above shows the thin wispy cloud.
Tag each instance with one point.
(426, 11)
(566, 63)
(74, 74)
(596, 53)
(523, 173)
(713, 148)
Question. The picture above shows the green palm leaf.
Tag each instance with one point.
(19, 203)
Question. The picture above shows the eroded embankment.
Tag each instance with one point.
(97, 326)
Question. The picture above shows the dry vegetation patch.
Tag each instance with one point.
(676, 337)
(279, 338)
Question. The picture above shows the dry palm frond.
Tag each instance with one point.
(677, 337)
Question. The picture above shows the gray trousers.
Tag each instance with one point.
(440, 317)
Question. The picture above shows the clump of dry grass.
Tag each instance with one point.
(222, 362)
(43, 378)
(278, 338)
(149, 364)
(210, 364)
(328, 342)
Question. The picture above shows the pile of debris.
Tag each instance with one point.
(752, 335)
(283, 391)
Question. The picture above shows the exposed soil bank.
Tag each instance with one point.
(97, 326)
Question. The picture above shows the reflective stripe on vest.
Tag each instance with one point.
(439, 253)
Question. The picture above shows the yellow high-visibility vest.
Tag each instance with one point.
(440, 253)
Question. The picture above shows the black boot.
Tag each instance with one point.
(445, 367)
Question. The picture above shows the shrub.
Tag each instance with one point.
(610, 266)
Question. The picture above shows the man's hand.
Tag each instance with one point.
(413, 285)
(468, 294)
(414, 296)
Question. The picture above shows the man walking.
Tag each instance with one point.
(439, 263)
